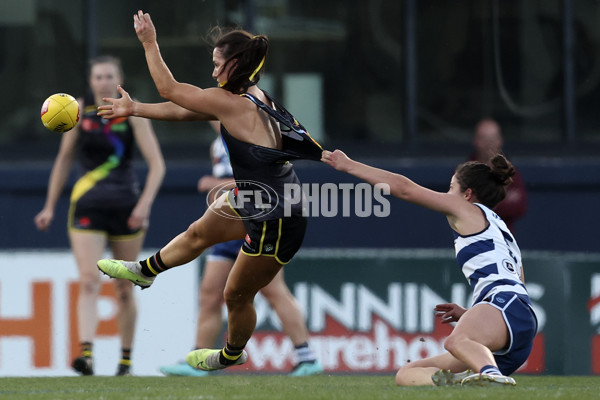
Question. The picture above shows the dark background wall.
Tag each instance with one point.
(562, 215)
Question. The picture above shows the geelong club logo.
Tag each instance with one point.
(509, 265)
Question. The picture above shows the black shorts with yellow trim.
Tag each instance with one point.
(280, 238)
(110, 221)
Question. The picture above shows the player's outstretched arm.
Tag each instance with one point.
(125, 106)
(211, 101)
(400, 186)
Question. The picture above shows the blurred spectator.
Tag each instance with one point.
(488, 141)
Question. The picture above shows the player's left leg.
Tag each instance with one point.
(248, 275)
(440, 370)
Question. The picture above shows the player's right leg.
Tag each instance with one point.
(480, 331)
(218, 224)
(87, 247)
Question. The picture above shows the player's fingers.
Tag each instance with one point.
(106, 114)
(121, 90)
(133, 223)
(106, 106)
(142, 18)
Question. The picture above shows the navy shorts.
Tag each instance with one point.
(110, 221)
(225, 250)
(522, 327)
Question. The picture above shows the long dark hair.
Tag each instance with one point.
(247, 52)
(488, 182)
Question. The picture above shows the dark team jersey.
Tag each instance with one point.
(105, 174)
(264, 176)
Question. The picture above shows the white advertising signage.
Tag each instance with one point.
(38, 300)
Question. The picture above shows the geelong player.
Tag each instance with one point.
(495, 336)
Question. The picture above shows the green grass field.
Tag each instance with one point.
(238, 387)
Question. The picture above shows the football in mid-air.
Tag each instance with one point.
(60, 112)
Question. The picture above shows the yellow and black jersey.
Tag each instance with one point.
(105, 175)
(264, 176)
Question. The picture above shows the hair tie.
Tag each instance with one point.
(257, 68)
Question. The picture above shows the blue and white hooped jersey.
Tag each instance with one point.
(220, 158)
(490, 259)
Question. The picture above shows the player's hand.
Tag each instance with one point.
(144, 28)
(121, 107)
(449, 312)
(337, 159)
(207, 182)
(43, 219)
(140, 217)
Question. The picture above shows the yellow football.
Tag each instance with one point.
(60, 112)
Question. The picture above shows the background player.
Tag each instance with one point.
(106, 206)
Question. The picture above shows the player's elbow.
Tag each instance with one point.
(159, 167)
(165, 91)
(401, 191)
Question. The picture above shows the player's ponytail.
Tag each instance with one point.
(501, 169)
(245, 53)
(488, 182)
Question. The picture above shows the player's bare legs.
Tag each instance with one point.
(419, 373)
(472, 341)
(287, 308)
(210, 316)
(293, 324)
(470, 346)
(248, 275)
(127, 310)
(218, 224)
(87, 249)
